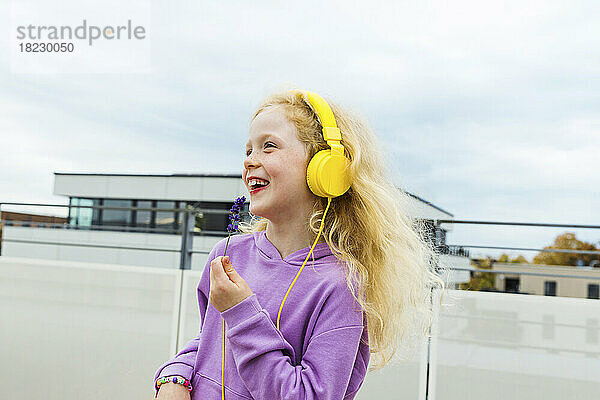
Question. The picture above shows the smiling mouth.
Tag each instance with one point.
(252, 191)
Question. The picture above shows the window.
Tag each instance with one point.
(85, 214)
(245, 214)
(96, 212)
(81, 216)
(429, 232)
(117, 217)
(511, 285)
(593, 291)
(143, 219)
(73, 211)
(550, 288)
(179, 216)
(165, 219)
(440, 236)
(212, 222)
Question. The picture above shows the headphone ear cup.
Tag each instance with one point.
(326, 175)
(312, 173)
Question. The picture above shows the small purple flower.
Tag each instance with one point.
(234, 217)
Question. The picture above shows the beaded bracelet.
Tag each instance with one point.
(174, 379)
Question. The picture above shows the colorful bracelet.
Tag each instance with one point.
(174, 379)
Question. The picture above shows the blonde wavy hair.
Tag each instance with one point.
(369, 228)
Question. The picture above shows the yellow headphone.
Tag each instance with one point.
(327, 175)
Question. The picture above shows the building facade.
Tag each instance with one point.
(150, 203)
(584, 282)
(130, 218)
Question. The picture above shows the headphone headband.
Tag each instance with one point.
(331, 132)
(327, 173)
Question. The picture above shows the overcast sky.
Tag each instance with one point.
(489, 110)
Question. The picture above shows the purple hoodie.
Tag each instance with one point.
(316, 354)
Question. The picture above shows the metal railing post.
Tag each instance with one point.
(187, 238)
(429, 330)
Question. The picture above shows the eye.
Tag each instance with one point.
(266, 144)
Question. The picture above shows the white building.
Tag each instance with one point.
(153, 237)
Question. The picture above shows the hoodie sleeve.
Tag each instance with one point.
(263, 359)
(184, 361)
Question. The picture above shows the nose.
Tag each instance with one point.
(250, 161)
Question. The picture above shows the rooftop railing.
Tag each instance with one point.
(187, 231)
(491, 341)
(186, 228)
(439, 223)
(76, 326)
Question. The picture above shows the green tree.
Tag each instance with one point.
(566, 241)
(504, 258)
(199, 222)
(520, 260)
(480, 280)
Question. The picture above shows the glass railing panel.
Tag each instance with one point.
(72, 330)
(499, 346)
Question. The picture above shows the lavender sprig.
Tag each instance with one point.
(234, 217)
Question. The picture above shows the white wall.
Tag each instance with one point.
(205, 188)
(498, 346)
(150, 258)
(75, 330)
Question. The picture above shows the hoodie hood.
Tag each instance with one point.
(321, 253)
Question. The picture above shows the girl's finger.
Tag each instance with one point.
(213, 270)
(217, 269)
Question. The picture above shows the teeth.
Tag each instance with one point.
(253, 182)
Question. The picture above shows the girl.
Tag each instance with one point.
(302, 336)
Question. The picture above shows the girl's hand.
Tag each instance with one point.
(227, 287)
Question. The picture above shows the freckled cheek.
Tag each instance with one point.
(288, 172)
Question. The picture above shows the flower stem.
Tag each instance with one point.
(227, 244)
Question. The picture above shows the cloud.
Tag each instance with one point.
(488, 110)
